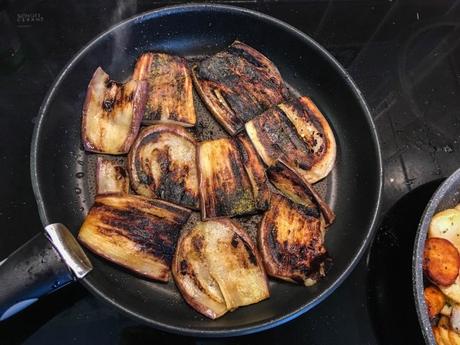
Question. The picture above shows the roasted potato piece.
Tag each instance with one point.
(296, 133)
(296, 188)
(162, 164)
(134, 232)
(454, 337)
(170, 97)
(291, 241)
(446, 224)
(112, 114)
(441, 261)
(237, 84)
(217, 268)
(437, 335)
(455, 318)
(443, 325)
(452, 291)
(225, 187)
(111, 177)
(435, 300)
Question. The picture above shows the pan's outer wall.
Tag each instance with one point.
(446, 196)
(193, 30)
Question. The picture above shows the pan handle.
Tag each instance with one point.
(44, 264)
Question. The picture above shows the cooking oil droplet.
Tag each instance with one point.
(82, 209)
(79, 174)
(80, 162)
(77, 190)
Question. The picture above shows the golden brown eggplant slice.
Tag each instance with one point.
(296, 188)
(297, 133)
(170, 97)
(217, 268)
(162, 164)
(291, 241)
(255, 171)
(225, 187)
(111, 177)
(112, 114)
(132, 231)
(237, 84)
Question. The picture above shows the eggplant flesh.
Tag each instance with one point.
(291, 241)
(111, 177)
(225, 188)
(134, 232)
(170, 95)
(298, 190)
(237, 84)
(217, 268)
(297, 133)
(162, 164)
(112, 114)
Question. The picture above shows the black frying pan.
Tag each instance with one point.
(446, 196)
(353, 188)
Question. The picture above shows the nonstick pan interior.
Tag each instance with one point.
(62, 173)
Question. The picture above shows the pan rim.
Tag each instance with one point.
(417, 255)
(257, 326)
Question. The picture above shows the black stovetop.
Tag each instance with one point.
(405, 57)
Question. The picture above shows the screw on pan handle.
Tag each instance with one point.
(44, 264)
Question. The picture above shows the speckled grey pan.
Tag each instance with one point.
(446, 196)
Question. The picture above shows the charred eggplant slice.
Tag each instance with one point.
(291, 241)
(297, 133)
(111, 177)
(217, 268)
(134, 232)
(112, 114)
(225, 187)
(296, 188)
(170, 97)
(237, 84)
(162, 164)
(255, 171)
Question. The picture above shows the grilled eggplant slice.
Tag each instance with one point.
(111, 177)
(112, 114)
(134, 232)
(226, 190)
(255, 171)
(291, 241)
(296, 188)
(162, 164)
(217, 268)
(297, 133)
(170, 97)
(237, 84)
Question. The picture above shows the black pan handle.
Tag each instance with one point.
(44, 264)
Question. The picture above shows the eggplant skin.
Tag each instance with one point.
(237, 84)
(298, 190)
(297, 133)
(162, 164)
(170, 95)
(134, 232)
(217, 268)
(111, 177)
(112, 114)
(225, 188)
(291, 241)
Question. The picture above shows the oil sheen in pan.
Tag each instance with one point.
(207, 128)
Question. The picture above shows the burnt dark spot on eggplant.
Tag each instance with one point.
(108, 104)
(197, 242)
(245, 55)
(235, 241)
(251, 256)
(120, 171)
(183, 267)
